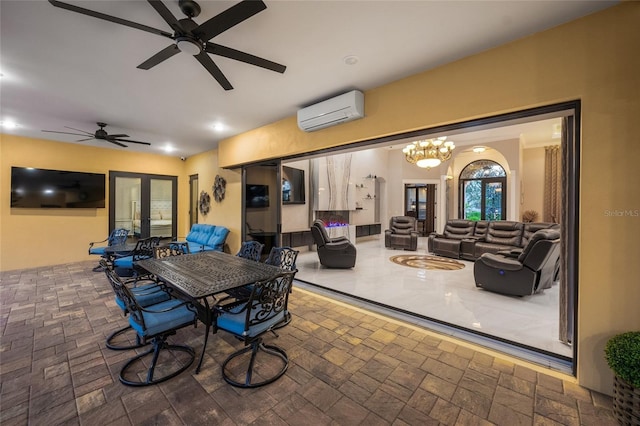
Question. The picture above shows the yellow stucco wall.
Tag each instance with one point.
(594, 59)
(40, 237)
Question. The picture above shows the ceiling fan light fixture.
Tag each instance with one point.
(189, 45)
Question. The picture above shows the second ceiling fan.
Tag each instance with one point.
(189, 37)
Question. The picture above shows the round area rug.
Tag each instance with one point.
(427, 262)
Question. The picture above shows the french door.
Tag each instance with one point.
(144, 204)
(483, 199)
(419, 200)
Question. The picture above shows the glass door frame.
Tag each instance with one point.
(484, 182)
(145, 200)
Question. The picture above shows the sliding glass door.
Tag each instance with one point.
(144, 204)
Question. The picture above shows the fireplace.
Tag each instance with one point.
(333, 218)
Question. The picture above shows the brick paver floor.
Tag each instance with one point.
(347, 367)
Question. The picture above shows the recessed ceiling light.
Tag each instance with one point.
(8, 124)
(169, 148)
(217, 127)
(351, 59)
(479, 149)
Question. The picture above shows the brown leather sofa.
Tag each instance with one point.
(533, 270)
(333, 252)
(402, 233)
(466, 239)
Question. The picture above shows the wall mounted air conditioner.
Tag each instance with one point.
(346, 107)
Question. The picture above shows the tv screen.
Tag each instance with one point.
(41, 188)
(257, 196)
(292, 185)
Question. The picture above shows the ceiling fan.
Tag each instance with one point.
(100, 134)
(189, 37)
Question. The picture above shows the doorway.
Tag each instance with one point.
(193, 200)
(144, 204)
(261, 204)
(420, 202)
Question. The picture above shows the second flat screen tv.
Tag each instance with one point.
(292, 186)
(256, 196)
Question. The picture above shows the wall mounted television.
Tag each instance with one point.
(292, 186)
(41, 188)
(256, 196)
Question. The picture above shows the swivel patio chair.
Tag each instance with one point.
(117, 237)
(125, 264)
(248, 321)
(251, 250)
(284, 258)
(145, 295)
(155, 323)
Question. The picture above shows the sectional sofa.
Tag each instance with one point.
(466, 239)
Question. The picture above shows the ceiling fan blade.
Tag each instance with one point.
(65, 133)
(119, 136)
(213, 69)
(128, 141)
(229, 18)
(237, 55)
(117, 143)
(78, 130)
(159, 57)
(84, 140)
(166, 15)
(110, 18)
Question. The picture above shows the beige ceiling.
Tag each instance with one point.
(61, 68)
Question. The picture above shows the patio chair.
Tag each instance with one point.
(145, 295)
(248, 321)
(251, 250)
(155, 323)
(125, 264)
(117, 237)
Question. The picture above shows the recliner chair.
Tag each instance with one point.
(533, 270)
(402, 233)
(333, 252)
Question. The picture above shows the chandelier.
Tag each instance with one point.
(429, 153)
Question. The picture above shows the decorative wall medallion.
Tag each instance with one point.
(219, 188)
(204, 203)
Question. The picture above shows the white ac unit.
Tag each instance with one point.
(346, 107)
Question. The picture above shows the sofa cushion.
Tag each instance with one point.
(217, 238)
(504, 232)
(459, 229)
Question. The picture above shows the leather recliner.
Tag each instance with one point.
(333, 252)
(448, 243)
(402, 233)
(532, 271)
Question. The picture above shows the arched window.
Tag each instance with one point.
(483, 191)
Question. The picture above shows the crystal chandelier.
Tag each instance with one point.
(429, 153)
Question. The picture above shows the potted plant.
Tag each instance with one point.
(622, 353)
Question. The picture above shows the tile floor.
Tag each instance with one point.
(449, 296)
(348, 367)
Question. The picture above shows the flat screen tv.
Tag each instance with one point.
(40, 188)
(292, 185)
(256, 196)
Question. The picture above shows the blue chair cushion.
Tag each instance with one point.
(146, 297)
(203, 237)
(97, 250)
(124, 262)
(158, 323)
(234, 322)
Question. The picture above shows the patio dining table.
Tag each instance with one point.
(200, 275)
